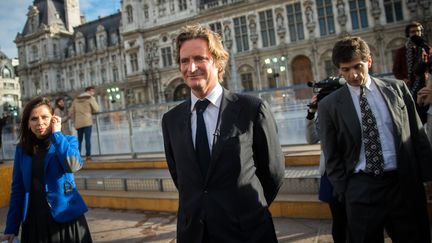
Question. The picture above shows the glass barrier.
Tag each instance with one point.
(138, 129)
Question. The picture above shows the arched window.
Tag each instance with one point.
(6, 73)
(129, 13)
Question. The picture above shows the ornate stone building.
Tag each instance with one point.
(9, 87)
(130, 55)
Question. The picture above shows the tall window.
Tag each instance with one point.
(35, 53)
(146, 11)
(103, 75)
(393, 10)
(216, 27)
(358, 14)
(115, 74)
(330, 68)
(134, 62)
(55, 50)
(325, 17)
(72, 83)
(60, 84)
(182, 5)
(295, 21)
(129, 13)
(241, 34)
(247, 82)
(166, 56)
(267, 28)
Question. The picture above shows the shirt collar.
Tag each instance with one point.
(214, 96)
(356, 89)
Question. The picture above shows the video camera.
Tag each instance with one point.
(324, 87)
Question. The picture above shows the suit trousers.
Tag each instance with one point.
(375, 203)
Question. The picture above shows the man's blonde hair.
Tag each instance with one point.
(215, 46)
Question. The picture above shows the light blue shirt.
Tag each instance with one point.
(210, 114)
(384, 122)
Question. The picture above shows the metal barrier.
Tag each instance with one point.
(137, 130)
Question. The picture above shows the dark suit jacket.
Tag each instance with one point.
(244, 176)
(341, 136)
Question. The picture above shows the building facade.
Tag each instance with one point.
(130, 56)
(10, 94)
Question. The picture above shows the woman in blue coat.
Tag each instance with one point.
(44, 199)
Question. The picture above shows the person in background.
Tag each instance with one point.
(412, 63)
(44, 199)
(3, 122)
(83, 106)
(424, 97)
(222, 150)
(376, 151)
(337, 208)
(61, 112)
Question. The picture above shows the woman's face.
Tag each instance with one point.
(60, 103)
(40, 121)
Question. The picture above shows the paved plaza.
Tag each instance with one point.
(109, 225)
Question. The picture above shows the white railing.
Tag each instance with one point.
(137, 130)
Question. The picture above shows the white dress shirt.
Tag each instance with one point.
(384, 122)
(210, 114)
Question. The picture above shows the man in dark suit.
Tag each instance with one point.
(377, 153)
(227, 178)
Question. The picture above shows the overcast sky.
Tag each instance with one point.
(13, 17)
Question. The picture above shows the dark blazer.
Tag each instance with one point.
(244, 176)
(61, 160)
(341, 133)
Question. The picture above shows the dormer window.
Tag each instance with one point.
(129, 13)
(6, 73)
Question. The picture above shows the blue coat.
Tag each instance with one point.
(61, 161)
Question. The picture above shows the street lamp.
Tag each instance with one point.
(274, 67)
(113, 94)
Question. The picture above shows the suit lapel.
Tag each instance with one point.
(349, 115)
(185, 129)
(393, 105)
(228, 114)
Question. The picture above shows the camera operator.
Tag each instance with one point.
(337, 208)
(412, 63)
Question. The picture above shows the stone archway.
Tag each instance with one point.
(176, 90)
(301, 68)
(182, 92)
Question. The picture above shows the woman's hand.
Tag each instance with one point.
(422, 94)
(55, 123)
(9, 238)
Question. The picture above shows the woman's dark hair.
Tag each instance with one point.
(57, 101)
(26, 136)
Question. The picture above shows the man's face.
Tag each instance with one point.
(416, 30)
(197, 66)
(91, 92)
(356, 71)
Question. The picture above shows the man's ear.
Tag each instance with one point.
(369, 62)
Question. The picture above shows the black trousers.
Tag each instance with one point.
(339, 224)
(375, 203)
